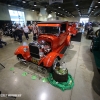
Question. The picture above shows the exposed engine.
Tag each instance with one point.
(39, 49)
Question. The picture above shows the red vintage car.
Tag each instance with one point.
(72, 29)
(48, 49)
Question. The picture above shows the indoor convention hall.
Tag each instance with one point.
(49, 49)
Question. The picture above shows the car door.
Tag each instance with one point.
(63, 34)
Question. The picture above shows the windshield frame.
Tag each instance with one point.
(57, 34)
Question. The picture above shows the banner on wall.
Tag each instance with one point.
(55, 1)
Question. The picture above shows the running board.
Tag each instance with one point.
(63, 50)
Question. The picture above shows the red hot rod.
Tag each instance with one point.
(47, 50)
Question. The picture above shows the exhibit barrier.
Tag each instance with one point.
(69, 84)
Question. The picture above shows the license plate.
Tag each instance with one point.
(35, 61)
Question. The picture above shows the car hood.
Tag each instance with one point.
(51, 37)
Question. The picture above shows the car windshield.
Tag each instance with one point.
(48, 30)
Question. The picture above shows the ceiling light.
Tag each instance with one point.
(98, 1)
(9, 5)
(92, 11)
(32, 10)
(55, 12)
(24, 1)
(96, 6)
(66, 11)
(35, 4)
(76, 4)
(58, 13)
(59, 7)
(63, 9)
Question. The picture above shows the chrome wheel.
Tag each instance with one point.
(55, 62)
(20, 58)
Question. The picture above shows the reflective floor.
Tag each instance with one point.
(79, 61)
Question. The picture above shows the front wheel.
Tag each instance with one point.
(20, 58)
(50, 70)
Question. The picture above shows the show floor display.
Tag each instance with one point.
(31, 84)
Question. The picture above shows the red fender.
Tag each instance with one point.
(68, 39)
(49, 59)
(20, 50)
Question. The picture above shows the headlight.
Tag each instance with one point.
(41, 54)
(25, 49)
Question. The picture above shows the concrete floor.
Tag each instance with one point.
(79, 61)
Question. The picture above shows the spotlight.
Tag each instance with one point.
(59, 7)
(24, 1)
(96, 6)
(98, 1)
(9, 5)
(35, 4)
(76, 4)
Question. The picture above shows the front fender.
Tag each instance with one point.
(20, 50)
(49, 59)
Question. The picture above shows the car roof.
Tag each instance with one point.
(52, 22)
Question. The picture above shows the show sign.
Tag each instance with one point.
(55, 1)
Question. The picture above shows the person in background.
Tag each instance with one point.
(35, 31)
(26, 31)
(30, 27)
(2, 42)
(13, 32)
(19, 26)
(19, 33)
